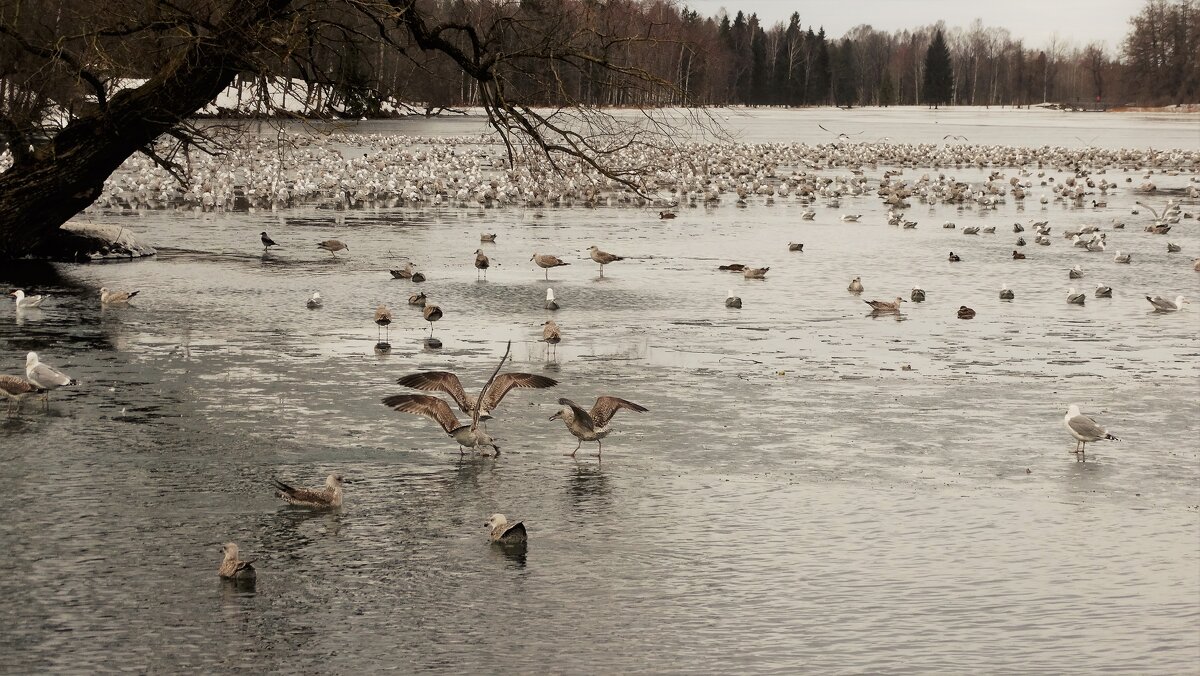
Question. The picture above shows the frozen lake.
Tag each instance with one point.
(794, 500)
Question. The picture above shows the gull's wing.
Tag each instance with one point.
(423, 404)
(507, 381)
(581, 416)
(43, 373)
(1086, 427)
(302, 495)
(440, 381)
(16, 386)
(607, 407)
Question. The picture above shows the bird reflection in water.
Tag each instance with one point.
(876, 314)
(514, 553)
(588, 487)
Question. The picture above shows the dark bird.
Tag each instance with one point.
(965, 312)
(792, 246)
(954, 257)
(432, 313)
(1018, 256)
(481, 263)
(266, 241)
(506, 533)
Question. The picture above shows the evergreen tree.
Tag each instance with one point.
(819, 89)
(938, 82)
(887, 91)
(845, 91)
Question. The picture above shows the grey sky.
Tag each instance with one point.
(1034, 21)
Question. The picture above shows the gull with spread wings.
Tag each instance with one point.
(592, 425)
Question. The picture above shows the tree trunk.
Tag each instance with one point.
(42, 191)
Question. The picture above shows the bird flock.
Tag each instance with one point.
(470, 172)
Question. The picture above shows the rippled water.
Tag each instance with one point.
(793, 500)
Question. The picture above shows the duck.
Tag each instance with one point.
(666, 215)
(504, 533)
(954, 258)
(593, 425)
(1018, 256)
(732, 301)
(793, 246)
(965, 312)
(327, 497)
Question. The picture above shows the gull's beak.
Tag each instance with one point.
(556, 416)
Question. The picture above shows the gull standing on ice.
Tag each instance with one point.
(592, 425)
(547, 261)
(603, 257)
(1084, 429)
(45, 376)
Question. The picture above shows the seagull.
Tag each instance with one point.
(592, 425)
(1075, 298)
(444, 381)
(603, 257)
(16, 389)
(551, 334)
(481, 263)
(24, 302)
(487, 237)
(1163, 305)
(550, 303)
(792, 246)
(108, 297)
(417, 299)
(1020, 241)
(1084, 429)
(233, 568)
(733, 301)
(546, 261)
(918, 295)
(965, 312)
(383, 318)
(432, 313)
(505, 533)
(851, 218)
(755, 273)
(955, 137)
(332, 246)
(1075, 272)
(1122, 258)
(405, 272)
(267, 242)
(856, 286)
(1006, 293)
(314, 301)
(467, 435)
(45, 376)
(1173, 248)
(1103, 291)
(329, 497)
(885, 306)
(954, 257)
(808, 214)
(842, 136)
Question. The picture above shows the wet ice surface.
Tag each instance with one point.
(793, 499)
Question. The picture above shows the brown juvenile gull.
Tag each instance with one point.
(755, 273)
(1075, 298)
(732, 301)
(417, 299)
(481, 263)
(332, 246)
(383, 319)
(432, 313)
(108, 297)
(965, 312)
(885, 306)
(504, 532)
(24, 302)
(603, 257)
(487, 237)
(16, 389)
(45, 376)
(546, 261)
(467, 435)
(550, 303)
(1084, 429)
(551, 335)
(405, 272)
(444, 381)
(233, 568)
(1163, 305)
(328, 497)
(592, 425)
(856, 286)
(732, 267)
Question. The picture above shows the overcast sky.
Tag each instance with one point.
(1034, 21)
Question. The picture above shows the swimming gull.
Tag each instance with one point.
(1074, 297)
(733, 301)
(417, 299)
(755, 273)
(1164, 305)
(16, 389)
(327, 497)
(332, 246)
(808, 214)
(233, 568)
(45, 376)
(550, 302)
(917, 295)
(592, 425)
(965, 312)
(856, 286)
(109, 297)
(314, 301)
(885, 306)
(1006, 293)
(547, 261)
(487, 237)
(1075, 272)
(603, 257)
(851, 218)
(25, 302)
(1173, 248)
(666, 215)
(506, 533)
(1122, 258)
(1084, 429)
(1103, 291)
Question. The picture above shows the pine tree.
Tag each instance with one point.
(938, 82)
